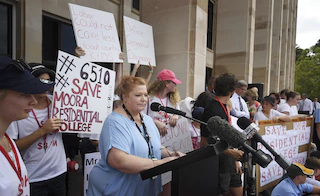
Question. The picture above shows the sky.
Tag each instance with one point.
(308, 23)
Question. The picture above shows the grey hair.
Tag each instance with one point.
(242, 83)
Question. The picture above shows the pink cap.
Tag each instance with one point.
(168, 75)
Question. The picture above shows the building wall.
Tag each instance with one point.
(254, 43)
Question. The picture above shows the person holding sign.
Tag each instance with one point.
(164, 91)
(267, 113)
(17, 85)
(290, 107)
(80, 52)
(39, 142)
(129, 143)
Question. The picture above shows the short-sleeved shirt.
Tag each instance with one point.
(121, 133)
(273, 113)
(42, 164)
(285, 107)
(214, 108)
(287, 187)
(160, 115)
(9, 180)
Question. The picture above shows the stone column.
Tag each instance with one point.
(276, 46)
(284, 40)
(180, 32)
(235, 38)
(33, 31)
(263, 43)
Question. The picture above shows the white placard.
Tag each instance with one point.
(139, 42)
(96, 33)
(83, 94)
(90, 160)
(286, 143)
(177, 139)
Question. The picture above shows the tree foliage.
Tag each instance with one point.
(307, 71)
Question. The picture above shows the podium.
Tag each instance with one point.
(193, 174)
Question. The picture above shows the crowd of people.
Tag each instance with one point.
(130, 138)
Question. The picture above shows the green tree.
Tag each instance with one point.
(307, 71)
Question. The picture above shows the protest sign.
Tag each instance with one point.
(96, 33)
(91, 159)
(83, 94)
(177, 139)
(291, 140)
(139, 42)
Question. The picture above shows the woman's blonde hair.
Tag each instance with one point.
(251, 93)
(157, 86)
(127, 84)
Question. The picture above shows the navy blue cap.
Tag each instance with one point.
(15, 75)
(197, 113)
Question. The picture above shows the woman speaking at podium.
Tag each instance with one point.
(129, 143)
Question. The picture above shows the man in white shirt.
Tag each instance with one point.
(305, 104)
(316, 104)
(239, 106)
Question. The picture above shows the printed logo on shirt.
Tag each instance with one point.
(23, 184)
(45, 145)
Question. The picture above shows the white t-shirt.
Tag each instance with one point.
(9, 181)
(41, 164)
(284, 107)
(161, 116)
(273, 113)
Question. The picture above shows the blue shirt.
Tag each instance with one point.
(121, 133)
(287, 188)
(317, 116)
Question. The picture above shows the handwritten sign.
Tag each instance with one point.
(83, 94)
(286, 143)
(177, 139)
(90, 160)
(96, 33)
(139, 42)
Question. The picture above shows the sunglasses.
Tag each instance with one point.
(21, 64)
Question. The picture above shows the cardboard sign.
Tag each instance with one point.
(286, 142)
(177, 139)
(96, 33)
(139, 42)
(83, 94)
(90, 160)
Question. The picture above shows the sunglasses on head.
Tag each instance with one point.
(21, 64)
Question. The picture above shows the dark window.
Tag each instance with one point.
(136, 4)
(208, 74)
(5, 30)
(210, 25)
(58, 35)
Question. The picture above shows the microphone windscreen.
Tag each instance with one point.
(243, 122)
(221, 128)
(155, 106)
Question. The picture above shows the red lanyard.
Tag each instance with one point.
(5, 153)
(45, 136)
(225, 110)
(195, 130)
(166, 115)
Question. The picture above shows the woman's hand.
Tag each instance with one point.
(79, 52)
(234, 153)
(238, 167)
(163, 130)
(173, 120)
(121, 56)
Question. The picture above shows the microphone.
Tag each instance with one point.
(252, 129)
(157, 107)
(221, 128)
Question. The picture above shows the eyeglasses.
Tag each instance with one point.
(46, 81)
(21, 65)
